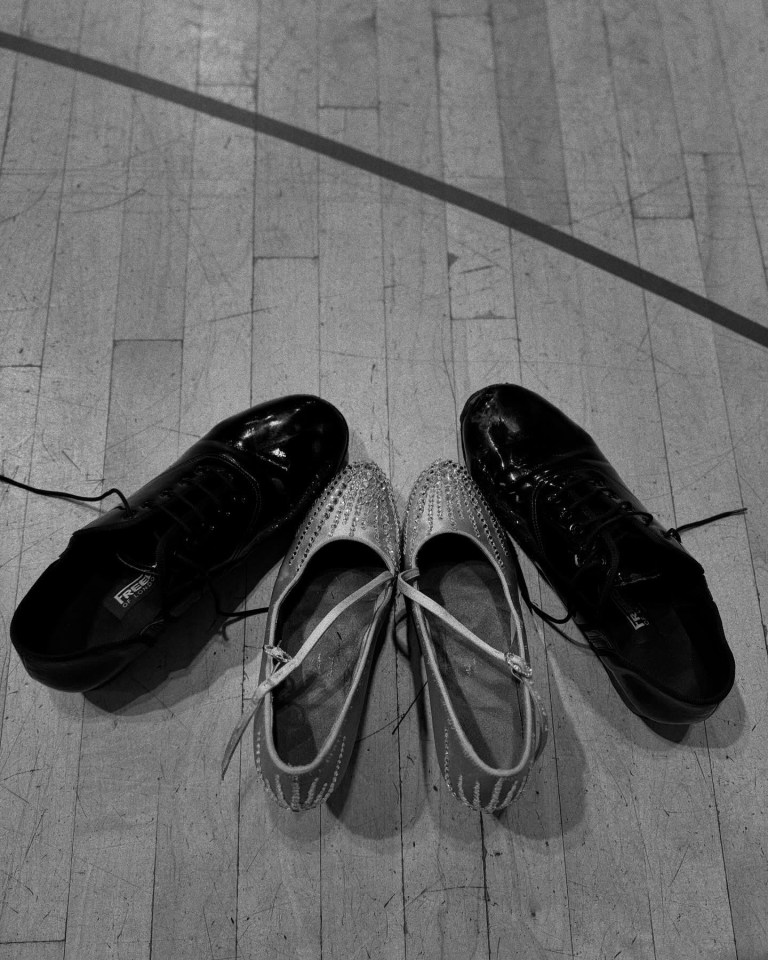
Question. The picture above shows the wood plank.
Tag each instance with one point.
(280, 879)
(219, 275)
(459, 8)
(347, 53)
(58, 23)
(30, 195)
(279, 868)
(478, 251)
(647, 121)
(531, 142)
(53, 950)
(352, 345)
(286, 331)
(583, 336)
(279, 876)
(701, 99)
(11, 19)
(742, 30)
(127, 724)
(690, 875)
(19, 388)
(420, 376)
(730, 247)
(158, 218)
(482, 300)
(523, 867)
(285, 202)
(67, 454)
(732, 267)
(486, 350)
(230, 33)
(360, 825)
(194, 907)
(574, 808)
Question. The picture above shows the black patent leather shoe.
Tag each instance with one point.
(638, 596)
(124, 576)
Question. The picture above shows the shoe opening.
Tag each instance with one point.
(307, 704)
(85, 600)
(670, 631)
(456, 574)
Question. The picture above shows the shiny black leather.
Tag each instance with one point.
(286, 449)
(246, 482)
(622, 575)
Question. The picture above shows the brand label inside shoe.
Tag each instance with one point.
(119, 603)
(636, 617)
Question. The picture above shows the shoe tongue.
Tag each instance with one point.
(142, 550)
(644, 557)
(141, 546)
(638, 557)
(180, 524)
(139, 543)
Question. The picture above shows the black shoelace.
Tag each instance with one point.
(196, 485)
(588, 557)
(621, 511)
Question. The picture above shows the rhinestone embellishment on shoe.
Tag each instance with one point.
(359, 498)
(445, 496)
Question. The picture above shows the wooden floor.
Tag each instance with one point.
(162, 269)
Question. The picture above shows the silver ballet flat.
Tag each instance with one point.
(460, 587)
(329, 607)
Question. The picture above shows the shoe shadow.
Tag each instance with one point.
(178, 663)
(536, 813)
(366, 801)
(723, 729)
(552, 803)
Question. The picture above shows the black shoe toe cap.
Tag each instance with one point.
(507, 429)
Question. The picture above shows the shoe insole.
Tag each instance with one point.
(666, 637)
(488, 701)
(82, 608)
(306, 704)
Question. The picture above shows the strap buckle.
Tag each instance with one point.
(518, 666)
(277, 653)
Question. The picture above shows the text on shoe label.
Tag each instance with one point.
(131, 592)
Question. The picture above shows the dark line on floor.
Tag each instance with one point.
(394, 172)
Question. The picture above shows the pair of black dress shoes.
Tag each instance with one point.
(641, 600)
